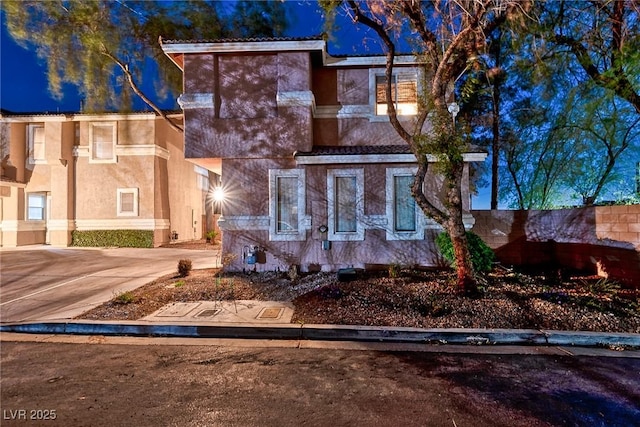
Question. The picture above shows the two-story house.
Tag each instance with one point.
(66, 172)
(314, 175)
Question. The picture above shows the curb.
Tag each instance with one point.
(332, 333)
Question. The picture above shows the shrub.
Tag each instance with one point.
(211, 235)
(126, 297)
(184, 267)
(482, 256)
(108, 238)
(395, 270)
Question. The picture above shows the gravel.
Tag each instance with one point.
(425, 299)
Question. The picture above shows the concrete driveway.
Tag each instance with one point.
(46, 283)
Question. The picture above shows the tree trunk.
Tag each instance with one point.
(466, 277)
(466, 281)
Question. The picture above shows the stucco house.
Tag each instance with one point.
(65, 172)
(314, 175)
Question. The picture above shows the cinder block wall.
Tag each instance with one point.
(603, 240)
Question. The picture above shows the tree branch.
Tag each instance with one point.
(137, 91)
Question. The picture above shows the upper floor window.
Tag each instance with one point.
(102, 140)
(287, 204)
(36, 206)
(345, 197)
(127, 202)
(35, 143)
(404, 93)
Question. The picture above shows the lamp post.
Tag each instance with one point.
(454, 109)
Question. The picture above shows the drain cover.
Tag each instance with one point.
(270, 313)
(208, 313)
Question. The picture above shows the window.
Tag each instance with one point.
(346, 204)
(35, 143)
(404, 217)
(287, 204)
(36, 205)
(404, 93)
(404, 205)
(202, 178)
(127, 202)
(102, 137)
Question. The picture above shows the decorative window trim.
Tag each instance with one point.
(302, 98)
(114, 142)
(420, 220)
(136, 202)
(357, 235)
(376, 72)
(190, 101)
(31, 145)
(303, 219)
(42, 209)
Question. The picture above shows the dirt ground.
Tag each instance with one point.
(403, 297)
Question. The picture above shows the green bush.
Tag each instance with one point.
(109, 238)
(125, 298)
(482, 256)
(184, 267)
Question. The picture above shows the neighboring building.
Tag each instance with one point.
(65, 172)
(315, 176)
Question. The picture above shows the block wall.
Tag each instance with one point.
(603, 240)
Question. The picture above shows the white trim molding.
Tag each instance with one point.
(9, 225)
(302, 98)
(128, 150)
(122, 224)
(358, 175)
(244, 222)
(189, 101)
(60, 225)
(354, 111)
(331, 159)
(390, 199)
(134, 192)
(243, 46)
(303, 220)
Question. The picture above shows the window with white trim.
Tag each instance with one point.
(127, 202)
(36, 206)
(404, 217)
(345, 198)
(102, 142)
(404, 93)
(287, 204)
(36, 143)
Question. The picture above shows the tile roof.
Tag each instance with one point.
(247, 40)
(320, 150)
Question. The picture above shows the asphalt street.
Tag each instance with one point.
(47, 283)
(199, 382)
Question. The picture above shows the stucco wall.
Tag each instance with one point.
(603, 240)
(252, 114)
(83, 194)
(247, 203)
